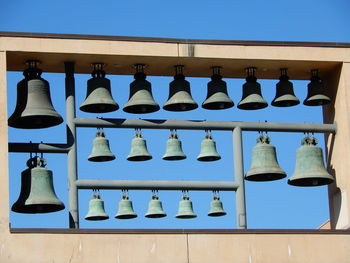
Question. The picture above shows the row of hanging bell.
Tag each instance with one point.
(34, 107)
(101, 150)
(155, 208)
(37, 193)
(309, 169)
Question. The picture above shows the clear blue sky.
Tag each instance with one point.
(269, 205)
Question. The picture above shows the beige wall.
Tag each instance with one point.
(318, 247)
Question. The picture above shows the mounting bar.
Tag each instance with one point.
(156, 185)
(38, 147)
(204, 125)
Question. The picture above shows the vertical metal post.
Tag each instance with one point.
(71, 141)
(241, 219)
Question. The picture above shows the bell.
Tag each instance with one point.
(98, 98)
(309, 167)
(138, 150)
(174, 149)
(100, 149)
(217, 97)
(96, 209)
(216, 208)
(285, 96)
(185, 208)
(180, 98)
(252, 98)
(140, 99)
(37, 192)
(125, 210)
(315, 91)
(34, 108)
(208, 150)
(155, 208)
(264, 162)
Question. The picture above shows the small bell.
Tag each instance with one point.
(155, 208)
(99, 96)
(309, 167)
(285, 96)
(125, 209)
(264, 162)
(251, 98)
(217, 97)
(37, 192)
(141, 98)
(174, 148)
(208, 150)
(100, 149)
(315, 91)
(180, 98)
(139, 150)
(34, 109)
(185, 207)
(216, 208)
(96, 209)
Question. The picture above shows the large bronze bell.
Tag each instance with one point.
(139, 150)
(99, 96)
(155, 208)
(174, 148)
(37, 192)
(100, 149)
(141, 98)
(34, 108)
(216, 208)
(264, 162)
(309, 167)
(252, 98)
(217, 97)
(125, 209)
(96, 209)
(180, 98)
(185, 207)
(316, 91)
(208, 150)
(285, 96)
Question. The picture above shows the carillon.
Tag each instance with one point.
(285, 96)
(309, 167)
(96, 208)
(252, 98)
(139, 150)
(208, 149)
(34, 109)
(264, 162)
(99, 95)
(100, 148)
(315, 91)
(125, 208)
(141, 98)
(37, 191)
(217, 97)
(155, 207)
(174, 148)
(185, 207)
(180, 98)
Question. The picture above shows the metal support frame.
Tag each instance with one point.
(70, 148)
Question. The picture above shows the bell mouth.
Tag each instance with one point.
(101, 158)
(96, 218)
(126, 216)
(35, 122)
(215, 214)
(208, 158)
(174, 158)
(217, 105)
(315, 181)
(317, 100)
(186, 216)
(155, 215)
(37, 208)
(180, 107)
(265, 177)
(99, 108)
(141, 108)
(139, 158)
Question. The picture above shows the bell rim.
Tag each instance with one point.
(128, 216)
(107, 107)
(134, 108)
(324, 100)
(185, 216)
(213, 105)
(208, 158)
(261, 177)
(247, 105)
(174, 158)
(216, 214)
(181, 106)
(139, 158)
(280, 102)
(155, 215)
(28, 122)
(33, 208)
(307, 182)
(101, 158)
(96, 218)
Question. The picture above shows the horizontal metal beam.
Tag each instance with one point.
(156, 185)
(204, 125)
(38, 147)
